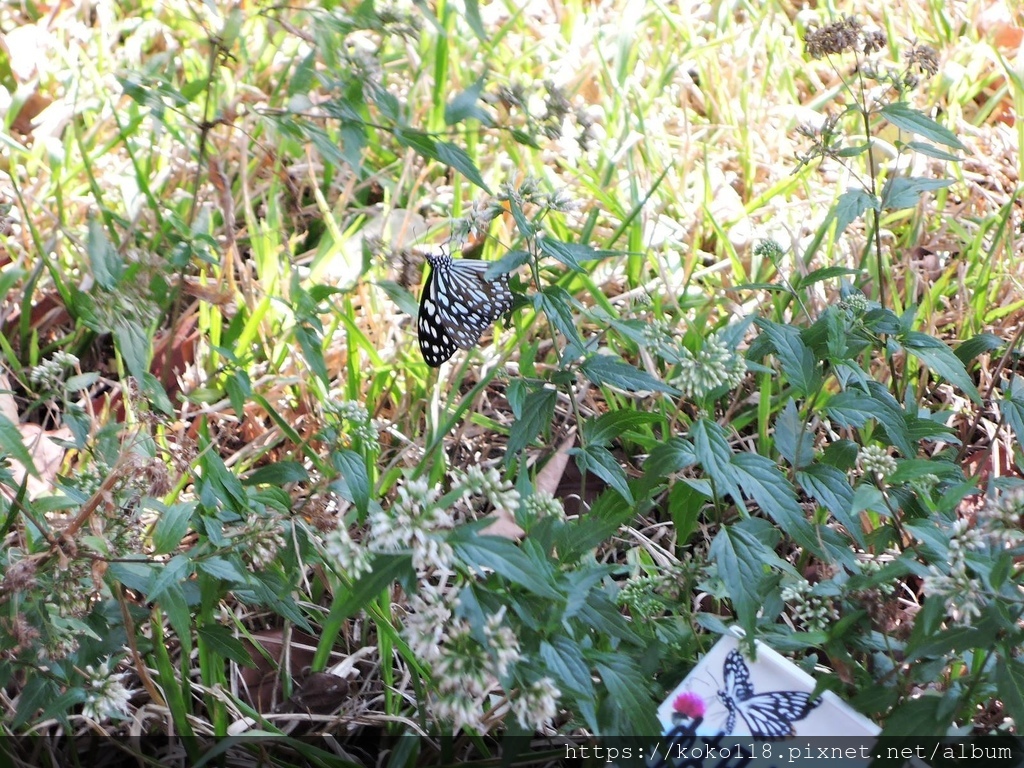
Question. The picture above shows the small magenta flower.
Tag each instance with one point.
(689, 704)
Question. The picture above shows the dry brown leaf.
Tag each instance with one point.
(550, 475)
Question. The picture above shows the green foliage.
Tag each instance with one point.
(255, 452)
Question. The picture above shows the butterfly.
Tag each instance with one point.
(768, 715)
(457, 305)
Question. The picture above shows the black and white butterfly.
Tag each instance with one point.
(457, 305)
(768, 715)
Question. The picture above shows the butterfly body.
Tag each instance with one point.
(768, 715)
(457, 305)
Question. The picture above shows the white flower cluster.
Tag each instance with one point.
(875, 462)
(814, 611)
(713, 366)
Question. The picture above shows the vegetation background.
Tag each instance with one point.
(765, 367)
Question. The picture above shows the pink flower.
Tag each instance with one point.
(689, 704)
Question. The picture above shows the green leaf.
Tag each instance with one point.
(555, 302)
(466, 105)
(978, 345)
(474, 20)
(386, 569)
(831, 488)
(1010, 684)
(174, 571)
(11, 442)
(794, 441)
(443, 151)
(279, 473)
(850, 206)
(537, 414)
(172, 526)
(1011, 406)
(133, 344)
(504, 558)
(917, 718)
(854, 407)
(904, 116)
(599, 460)
(906, 192)
(745, 556)
(715, 456)
(930, 150)
(685, 504)
(625, 684)
(608, 426)
(571, 254)
(796, 358)
(565, 663)
(309, 341)
(352, 468)
(942, 361)
(106, 263)
(220, 641)
(825, 273)
(222, 569)
(507, 263)
(613, 371)
(671, 456)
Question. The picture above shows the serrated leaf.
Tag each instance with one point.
(906, 192)
(904, 116)
(171, 527)
(930, 150)
(537, 415)
(443, 151)
(598, 460)
(715, 456)
(504, 558)
(674, 454)
(942, 361)
(507, 263)
(609, 426)
(685, 504)
(850, 206)
(825, 273)
(745, 556)
(613, 371)
(564, 661)
(133, 344)
(796, 358)
(220, 641)
(978, 345)
(555, 302)
(352, 468)
(792, 437)
(831, 488)
(571, 254)
(625, 684)
(401, 296)
(222, 569)
(853, 408)
(174, 571)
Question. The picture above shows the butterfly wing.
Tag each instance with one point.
(457, 305)
(768, 715)
(436, 345)
(771, 715)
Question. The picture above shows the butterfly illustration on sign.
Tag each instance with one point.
(768, 715)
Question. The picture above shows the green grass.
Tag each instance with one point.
(218, 219)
